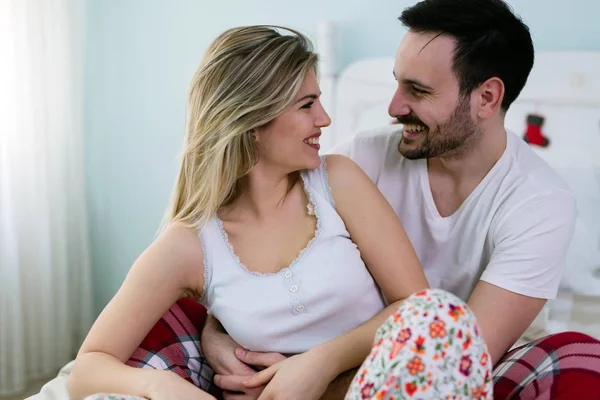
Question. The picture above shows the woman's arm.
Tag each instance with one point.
(385, 248)
(166, 271)
(388, 253)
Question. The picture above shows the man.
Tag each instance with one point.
(490, 221)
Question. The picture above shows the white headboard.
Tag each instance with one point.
(564, 87)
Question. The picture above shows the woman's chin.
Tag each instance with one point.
(314, 162)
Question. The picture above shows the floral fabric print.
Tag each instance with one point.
(430, 348)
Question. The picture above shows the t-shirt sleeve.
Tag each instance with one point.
(368, 150)
(531, 244)
(344, 148)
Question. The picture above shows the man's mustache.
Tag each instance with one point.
(410, 120)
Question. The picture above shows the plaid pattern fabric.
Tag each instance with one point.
(561, 366)
(174, 344)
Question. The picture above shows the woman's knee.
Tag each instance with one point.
(431, 312)
(434, 295)
(436, 304)
(431, 344)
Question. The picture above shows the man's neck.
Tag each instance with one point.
(453, 178)
(474, 160)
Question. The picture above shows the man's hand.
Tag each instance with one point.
(219, 349)
(257, 360)
(231, 363)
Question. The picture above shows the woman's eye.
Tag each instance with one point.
(308, 105)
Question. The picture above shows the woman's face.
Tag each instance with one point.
(291, 141)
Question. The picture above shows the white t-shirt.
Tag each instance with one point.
(513, 231)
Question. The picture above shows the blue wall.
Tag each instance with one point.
(140, 56)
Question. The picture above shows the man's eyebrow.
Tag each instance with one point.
(309, 96)
(416, 83)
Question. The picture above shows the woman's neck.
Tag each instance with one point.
(262, 191)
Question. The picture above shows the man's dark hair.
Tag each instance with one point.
(491, 41)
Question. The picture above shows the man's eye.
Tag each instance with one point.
(418, 91)
(308, 105)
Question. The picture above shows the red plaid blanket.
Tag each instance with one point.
(562, 366)
(174, 344)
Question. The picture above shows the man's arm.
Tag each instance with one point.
(502, 315)
(525, 269)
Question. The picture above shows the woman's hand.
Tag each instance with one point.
(233, 388)
(304, 376)
(166, 385)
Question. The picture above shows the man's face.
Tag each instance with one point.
(437, 120)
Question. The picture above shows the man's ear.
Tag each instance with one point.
(488, 97)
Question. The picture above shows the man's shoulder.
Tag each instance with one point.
(535, 175)
(371, 149)
(531, 187)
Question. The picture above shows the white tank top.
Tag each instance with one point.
(325, 292)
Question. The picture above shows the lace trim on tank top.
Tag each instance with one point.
(325, 180)
(207, 268)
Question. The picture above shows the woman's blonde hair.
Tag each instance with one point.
(248, 76)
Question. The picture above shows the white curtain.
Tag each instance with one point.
(45, 291)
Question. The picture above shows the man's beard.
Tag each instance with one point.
(447, 138)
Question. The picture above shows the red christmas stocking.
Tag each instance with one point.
(533, 133)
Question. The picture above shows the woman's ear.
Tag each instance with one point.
(252, 133)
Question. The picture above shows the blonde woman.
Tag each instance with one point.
(292, 252)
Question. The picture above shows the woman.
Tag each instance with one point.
(293, 252)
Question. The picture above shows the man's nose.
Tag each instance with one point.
(398, 105)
